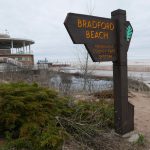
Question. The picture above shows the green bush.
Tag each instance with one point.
(27, 115)
(33, 117)
(141, 140)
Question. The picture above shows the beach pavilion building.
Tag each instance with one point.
(16, 49)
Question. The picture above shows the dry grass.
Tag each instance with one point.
(104, 141)
(104, 94)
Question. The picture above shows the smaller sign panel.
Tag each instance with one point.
(96, 33)
(129, 32)
(101, 52)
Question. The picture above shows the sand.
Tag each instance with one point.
(141, 102)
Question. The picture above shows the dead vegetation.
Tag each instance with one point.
(103, 141)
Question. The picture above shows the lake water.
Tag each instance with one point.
(72, 83)
(139, 75)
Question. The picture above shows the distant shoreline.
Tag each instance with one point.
(135, 68)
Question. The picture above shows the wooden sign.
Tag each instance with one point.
(96, 33)
(108, 40)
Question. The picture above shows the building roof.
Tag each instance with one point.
(6, 40)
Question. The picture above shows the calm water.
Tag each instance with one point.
(141, 76)
(73, 83)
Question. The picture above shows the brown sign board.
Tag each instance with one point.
(96, 33)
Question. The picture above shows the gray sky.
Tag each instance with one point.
(42, 21)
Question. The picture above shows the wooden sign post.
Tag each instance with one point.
(124, 111)
(108, 40)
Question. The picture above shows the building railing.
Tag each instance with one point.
(10, 61)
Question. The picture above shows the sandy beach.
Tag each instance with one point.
(141, 102)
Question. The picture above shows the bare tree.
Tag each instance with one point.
(85, 65)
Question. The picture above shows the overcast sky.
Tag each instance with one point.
(42, 21)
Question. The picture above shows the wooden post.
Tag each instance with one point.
(124, 111)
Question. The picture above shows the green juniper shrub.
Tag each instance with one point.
(33, 117)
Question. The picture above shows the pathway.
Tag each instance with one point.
(141, 102)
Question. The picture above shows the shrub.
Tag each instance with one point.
(141, 139)
(26, 113)
(33, 117)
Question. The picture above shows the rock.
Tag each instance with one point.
(129, 134)
(133, 138)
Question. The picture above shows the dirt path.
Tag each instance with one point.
(141, 102)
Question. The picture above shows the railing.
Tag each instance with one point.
(10, 61)
(22, 52)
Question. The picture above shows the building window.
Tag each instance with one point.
(27, 59)
(20, 58)
(23, 58)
